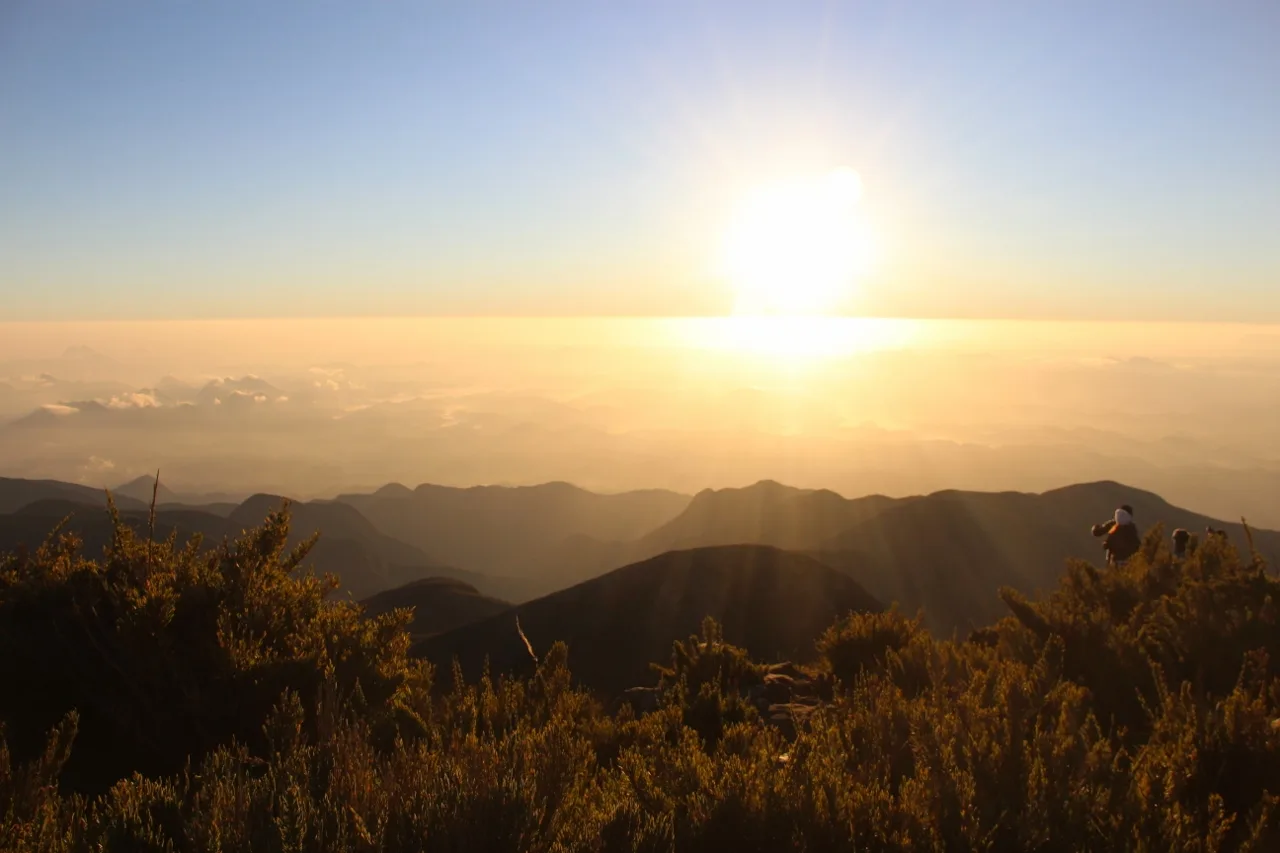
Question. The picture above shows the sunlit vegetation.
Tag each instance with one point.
(167, 698)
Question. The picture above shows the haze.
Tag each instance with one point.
(316, 407)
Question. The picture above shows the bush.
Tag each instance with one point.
(866, 642)
(166, 653)
(1132, 709)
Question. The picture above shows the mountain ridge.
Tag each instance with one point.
(772, 602)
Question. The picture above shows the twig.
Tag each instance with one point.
(151, 521)
(528, 645)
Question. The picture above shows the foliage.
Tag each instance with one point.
(1132, 709)
(165, 652)
(706, 679)
(864, 642)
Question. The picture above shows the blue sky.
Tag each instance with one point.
(223, 159)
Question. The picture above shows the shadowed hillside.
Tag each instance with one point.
(770, 602)
(365, 561)
(943, 553)
(439, 605)
(16, 493)
(946, 551)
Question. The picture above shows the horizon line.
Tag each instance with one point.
(320, 318)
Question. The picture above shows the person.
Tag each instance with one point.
(1122, 540)
(1181, 539)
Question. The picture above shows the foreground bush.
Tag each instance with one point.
(1133, 709)
(167, 652)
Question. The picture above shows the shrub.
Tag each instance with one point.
(1132, 709)
(864, 642)
(166, 653)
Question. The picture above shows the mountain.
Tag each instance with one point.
(221, 503)
(140, 489)
(365, 561)
(16, 493)
(945, 553)
(439, 604)
(30, 525)
(771, 602)
(948, 551)
(519, 532)
(767, 513)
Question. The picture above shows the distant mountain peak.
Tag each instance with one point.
(140, 488)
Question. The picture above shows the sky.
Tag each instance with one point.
(175, 160)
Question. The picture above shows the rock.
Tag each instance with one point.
(786, 668)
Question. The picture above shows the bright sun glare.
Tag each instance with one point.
(796, 248)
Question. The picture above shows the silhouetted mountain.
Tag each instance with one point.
(512, 532)
(766, 513)
(440, 604)
(140, 489)
(365, 561)
(394, 490)
(946, 551)
(218, 508)
(16, 493)
(29, 526)
(771, 602)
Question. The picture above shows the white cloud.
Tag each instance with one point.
(98, 464)
(134, 400)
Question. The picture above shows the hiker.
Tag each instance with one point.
(1122, 540)
(1181, 539)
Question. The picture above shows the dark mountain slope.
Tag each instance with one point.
(30, 525)
(347, 539)
(511, 531)
(16, 493)
(365, 561)
(440, 604)
(771, 602)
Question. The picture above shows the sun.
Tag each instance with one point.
(797, 247)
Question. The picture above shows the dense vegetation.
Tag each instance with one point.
(165, 698)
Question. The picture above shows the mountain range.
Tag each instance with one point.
(528, 532)
(364, 560)
(944, 554)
